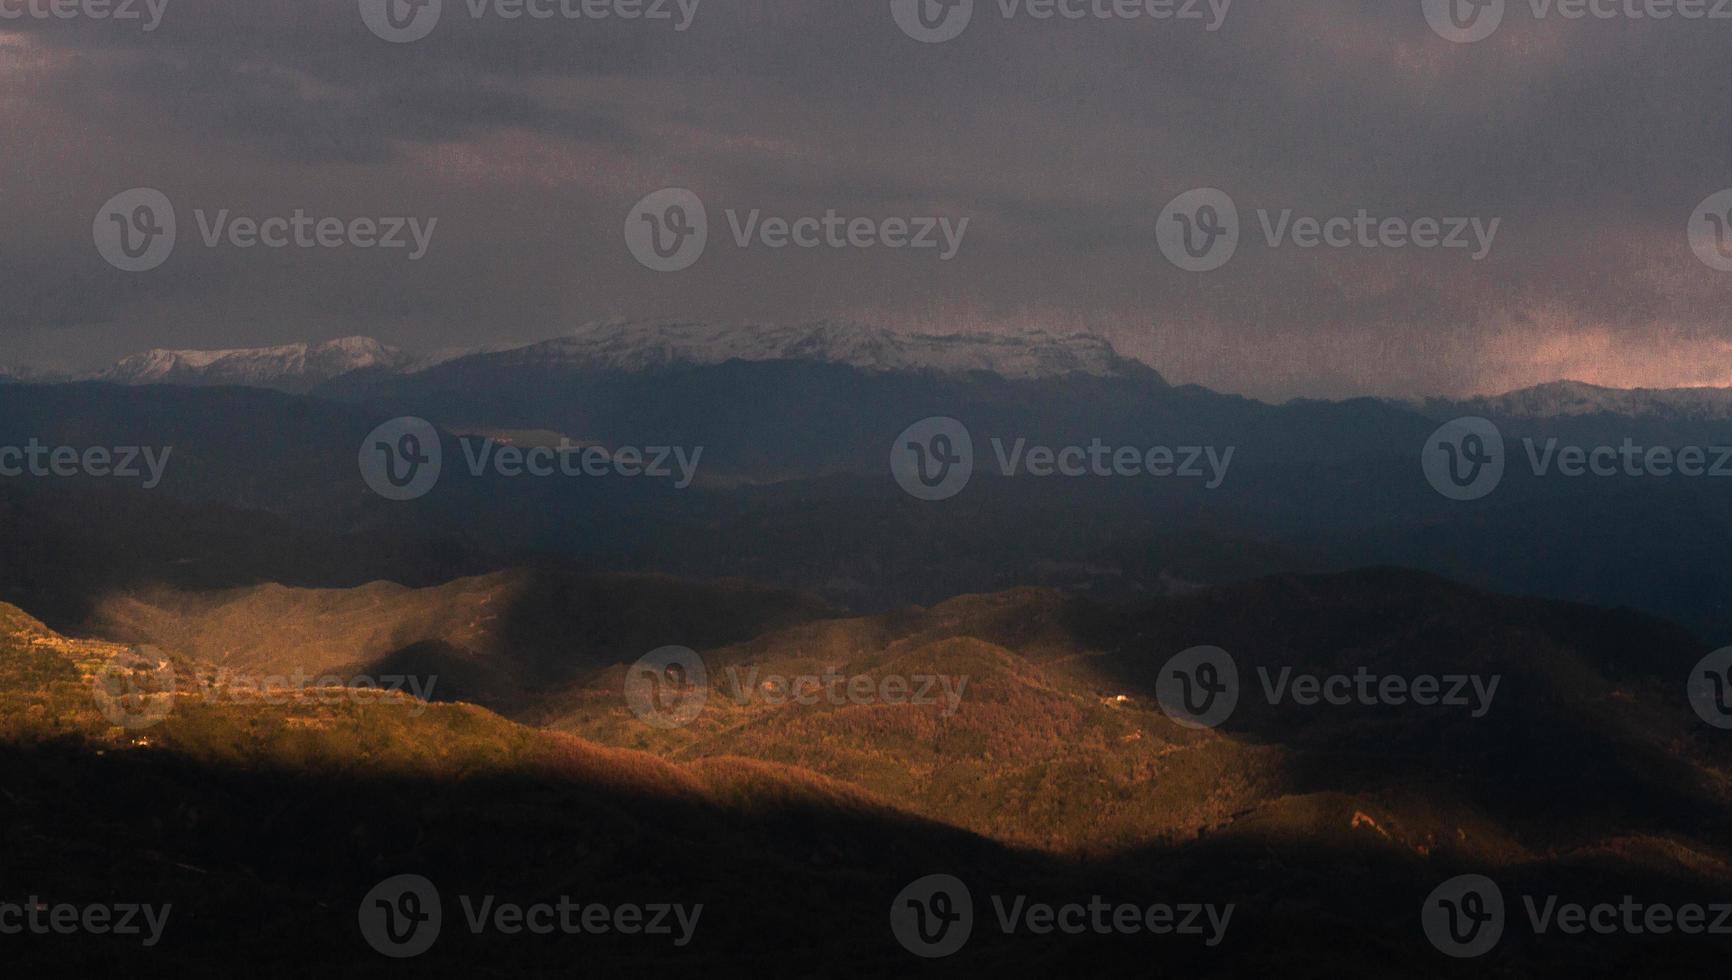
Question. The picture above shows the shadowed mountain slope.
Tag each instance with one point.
(1032, 717)
(797, 853)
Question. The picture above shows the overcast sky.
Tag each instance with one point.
(1592, 142)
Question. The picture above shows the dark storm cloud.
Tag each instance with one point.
(1591, 141)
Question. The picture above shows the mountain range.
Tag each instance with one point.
(644, 346)
(627, 346)
(1576, 399)
(346, 366)
(292, 367)
(1054, 772)
(794, 489)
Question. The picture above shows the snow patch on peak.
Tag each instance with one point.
(1569, 399)
(290, 367)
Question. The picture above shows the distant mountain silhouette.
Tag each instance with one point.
(625, 345)
(794, 490)
(1568, 399)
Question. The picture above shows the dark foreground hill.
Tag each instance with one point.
(1054, 776)
(1033, 717)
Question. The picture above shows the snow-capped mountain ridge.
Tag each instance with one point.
(291, 367)
(1574, 399)
(641, 346)
(635, 346)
